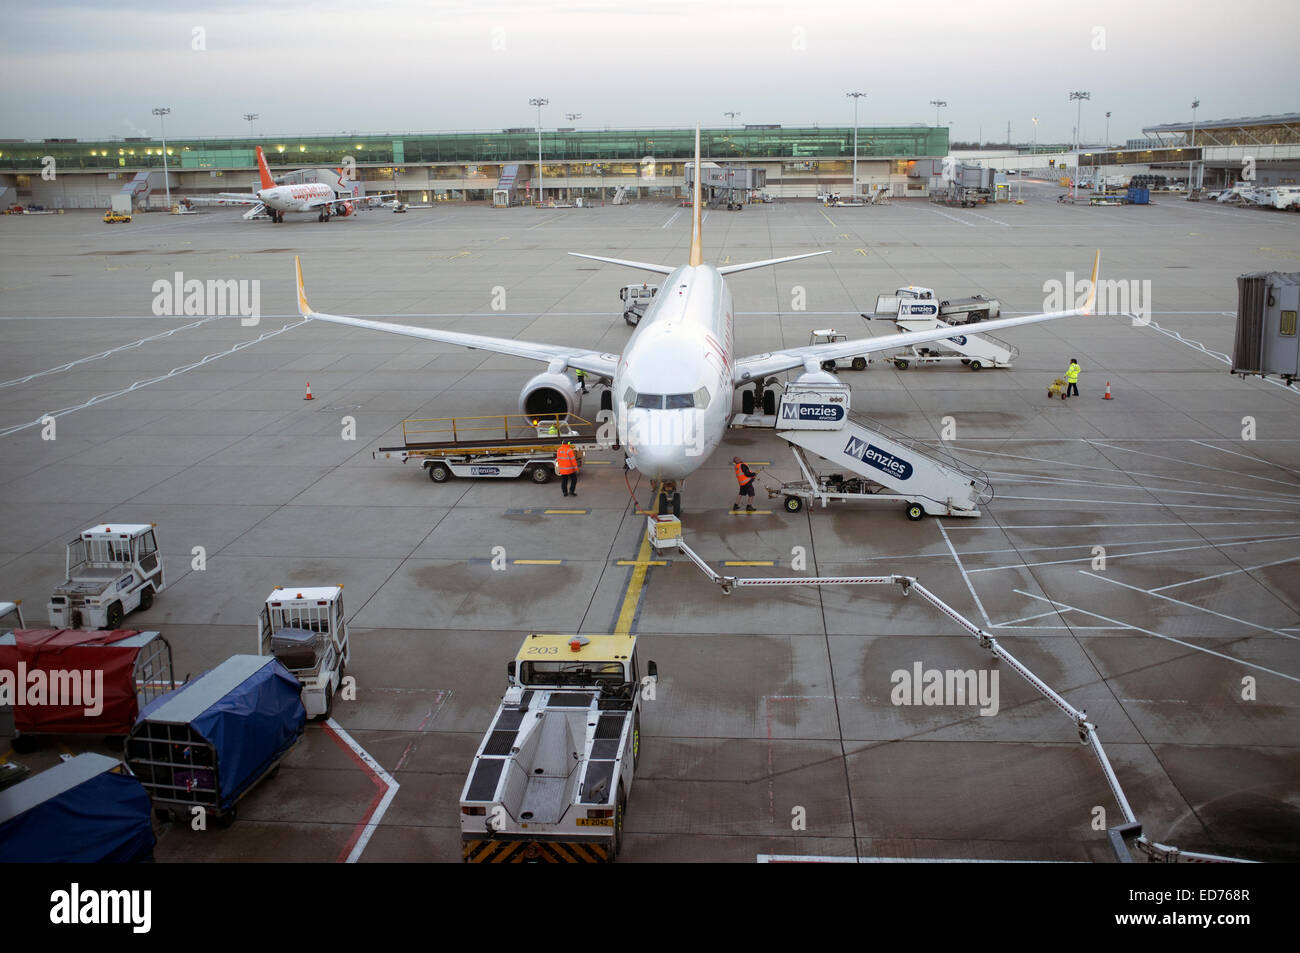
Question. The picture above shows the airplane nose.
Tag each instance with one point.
(656, 460)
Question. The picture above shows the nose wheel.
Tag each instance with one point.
(669, 500)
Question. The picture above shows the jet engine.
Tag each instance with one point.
(345, 209)
(549, 393)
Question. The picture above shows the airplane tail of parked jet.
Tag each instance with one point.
(697, 237)
(264, 170)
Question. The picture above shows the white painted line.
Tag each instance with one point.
(103, 354)
(1191, 605)
(1267, 463)
(1217, 355)
(672, 218)
(953, 218)
(1148, 552)
(957, 559)
(101, 398)
(372, 822)
(1137, 487)
(1158, 635)
(1188, 463)
(1230, 572)
(987, 219)
(1176, 525)
(1181, 506)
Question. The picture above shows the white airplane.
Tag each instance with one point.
(276, 200)
(672, 384)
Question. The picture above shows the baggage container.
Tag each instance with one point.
(209, 742)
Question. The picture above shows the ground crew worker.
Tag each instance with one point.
(554, 429)
(745, 480)
(566, 465)
(581, 375)
(1072, 378)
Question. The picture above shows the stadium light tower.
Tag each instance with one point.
(572, 116)
(732, 116)
(1078, 96)
(855, 97)
(1196, 104)
(249, 118)
(161, 112)
(539, 102)
(937, 104)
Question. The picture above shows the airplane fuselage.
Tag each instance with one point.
(674, 382)
(295, 198)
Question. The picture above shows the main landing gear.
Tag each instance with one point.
(760, 399)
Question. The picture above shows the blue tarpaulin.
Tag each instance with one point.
(249, 709)
(57, 817)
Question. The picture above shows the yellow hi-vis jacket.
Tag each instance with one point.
(1072, 374)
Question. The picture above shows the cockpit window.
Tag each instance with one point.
(680, 401)
(650, 401)
(701, 398)
(629, 397)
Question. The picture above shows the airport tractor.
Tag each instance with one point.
(916, 309)
(111, 570)
(551, 779)
(304, 627)
(636, 299)
(831, 336)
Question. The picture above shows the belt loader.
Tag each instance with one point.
(551, 779)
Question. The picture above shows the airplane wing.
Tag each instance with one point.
(599, 363)
(810, 356)
(359, 199)
(224, 198)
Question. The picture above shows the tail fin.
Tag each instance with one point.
(697, 248)
(267, 181)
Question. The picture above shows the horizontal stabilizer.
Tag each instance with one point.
(643, 265)
(750, 265)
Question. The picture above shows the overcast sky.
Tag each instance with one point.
(95, 69)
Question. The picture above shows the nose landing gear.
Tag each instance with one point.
(668, 499)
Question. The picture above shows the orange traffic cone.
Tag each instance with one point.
(1107, 396)
(309, 396)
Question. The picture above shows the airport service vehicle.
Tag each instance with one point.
(111, 570)
(89, 682)
(304, 627)
(876, 463)
(831, 336)
(951, 311)
(504, 446)
(11, 616)
(916, 309)
(209, 742)
(552, 776)
(275, 201)
(86, 810)
(116, 218)
(679, 370)
(636, 300)
(120, 210)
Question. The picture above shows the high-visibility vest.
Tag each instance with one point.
(554, 431)
(566, 461)
(740, 476)
(1072, 375)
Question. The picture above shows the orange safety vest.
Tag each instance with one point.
(566, 461)
(740, 476)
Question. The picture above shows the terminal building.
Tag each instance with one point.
(471, 167)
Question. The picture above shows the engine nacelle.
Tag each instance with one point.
(345, 209)
(548, 394)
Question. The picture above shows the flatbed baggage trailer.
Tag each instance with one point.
(209, 742)
(502, 446)
(86, 810)
(96, 682)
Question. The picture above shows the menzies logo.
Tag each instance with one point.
(878, 458)
(920, 310)
(793, 411)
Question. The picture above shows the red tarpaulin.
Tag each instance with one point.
(54, 675)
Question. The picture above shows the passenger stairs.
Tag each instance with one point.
(814, 417)
(974, 350)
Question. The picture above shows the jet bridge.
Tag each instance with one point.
(814, 417)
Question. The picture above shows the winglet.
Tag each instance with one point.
(1092, 285)
(697, 248)
(264, 170)
(303, 307)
